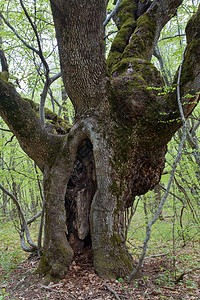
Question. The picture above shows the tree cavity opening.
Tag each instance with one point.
(80, 192)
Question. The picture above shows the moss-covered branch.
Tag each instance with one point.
(136, 85)
(125, 20)
(25, 124)
(139, 29)
(190, 79)
(190, 72)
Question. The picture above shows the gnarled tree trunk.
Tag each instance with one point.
(116, 148)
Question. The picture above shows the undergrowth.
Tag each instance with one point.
(11, 253)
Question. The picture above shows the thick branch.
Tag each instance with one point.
(26, 126)
(149, 26)
(81, 49)
(189, 80)
(135, 80)
(140, 38)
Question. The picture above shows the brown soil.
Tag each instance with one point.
(81, 282)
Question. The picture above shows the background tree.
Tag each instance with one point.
(116, 147)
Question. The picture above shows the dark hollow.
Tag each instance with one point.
(80, 191)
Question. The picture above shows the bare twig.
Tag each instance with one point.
(51, 287)
(4, 63)
(7, 130)
(112, 291)
(40, 53)
(110, 33)
(185, 273)
(18, 36)
(24, 227)
(129, 218)
(42, 212)
(164, 70)
(5, 203)
(164, 189)
(47, 84)
(34, 218)
(197, 124)
(10, 140)
(171, 37)
(194, 213)
(156, 255)
(112, 13)
(57, 103)
(45, 64)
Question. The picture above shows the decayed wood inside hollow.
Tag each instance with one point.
(80, 191)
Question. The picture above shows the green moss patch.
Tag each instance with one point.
(55, 124)
(142, 38)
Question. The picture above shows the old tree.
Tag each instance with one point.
(116, 147)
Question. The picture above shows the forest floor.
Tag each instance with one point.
(81, 282)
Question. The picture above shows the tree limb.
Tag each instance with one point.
(9, 141)
(157, 214)
(26, 126)
(45, 64)
(112, 13)
(81, 49)
(7, 130)
(40, 53)
(31, 220)
(18, 36)
(47, 84)
(144, 33)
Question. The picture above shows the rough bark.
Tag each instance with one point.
(80, 41)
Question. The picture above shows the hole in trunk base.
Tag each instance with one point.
(80, 191)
